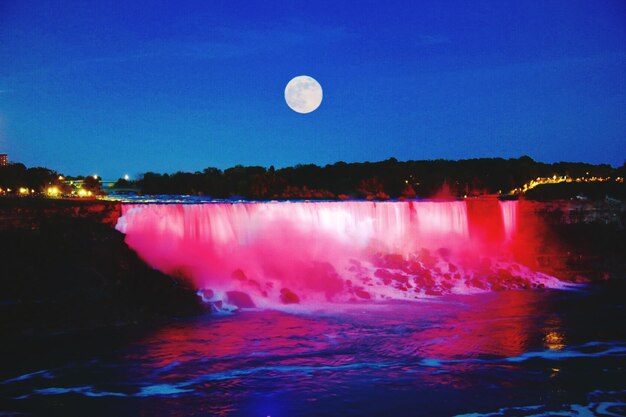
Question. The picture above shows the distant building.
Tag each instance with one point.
(4, 159)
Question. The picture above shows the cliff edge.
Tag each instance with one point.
(64, 266)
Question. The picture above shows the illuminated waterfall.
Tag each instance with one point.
(307, 253)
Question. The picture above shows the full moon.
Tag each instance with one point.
(303, 94)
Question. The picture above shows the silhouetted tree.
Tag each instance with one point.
(92, 184)
(12, 176)
(39, 179)
(122, 183)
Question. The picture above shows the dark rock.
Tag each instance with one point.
(359, 292)
(207, 294)
(239, 299)
(393, 261)
(288, 297)
(385, 275)
(238, 274)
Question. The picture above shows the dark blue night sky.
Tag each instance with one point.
(116, 87)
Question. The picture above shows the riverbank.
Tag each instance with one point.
(29, 213)
(574, 240)
(65, 267)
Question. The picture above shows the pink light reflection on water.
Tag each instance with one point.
(411, 346)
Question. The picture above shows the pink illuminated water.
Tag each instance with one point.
(509, 218)
(306, 254)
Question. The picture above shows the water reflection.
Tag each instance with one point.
(554, 338)
(448, 356)
(554, 341)
(401, 346)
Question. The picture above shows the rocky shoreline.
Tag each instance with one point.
(578, 241)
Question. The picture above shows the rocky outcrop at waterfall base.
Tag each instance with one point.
(578, 241)
(63, 266)
(584, 252)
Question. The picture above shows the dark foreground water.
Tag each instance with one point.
(514, 353)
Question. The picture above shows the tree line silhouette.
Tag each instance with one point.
(388, 179)
(369, 180)
(16, 175)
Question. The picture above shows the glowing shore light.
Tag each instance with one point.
(52, 191)
(555, 179)
(126, 177)
(82, 193)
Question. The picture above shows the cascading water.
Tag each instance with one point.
(274, 254)
(509, 218)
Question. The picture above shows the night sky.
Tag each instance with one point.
(117, 87)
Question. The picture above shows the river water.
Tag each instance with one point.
(511, 353)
